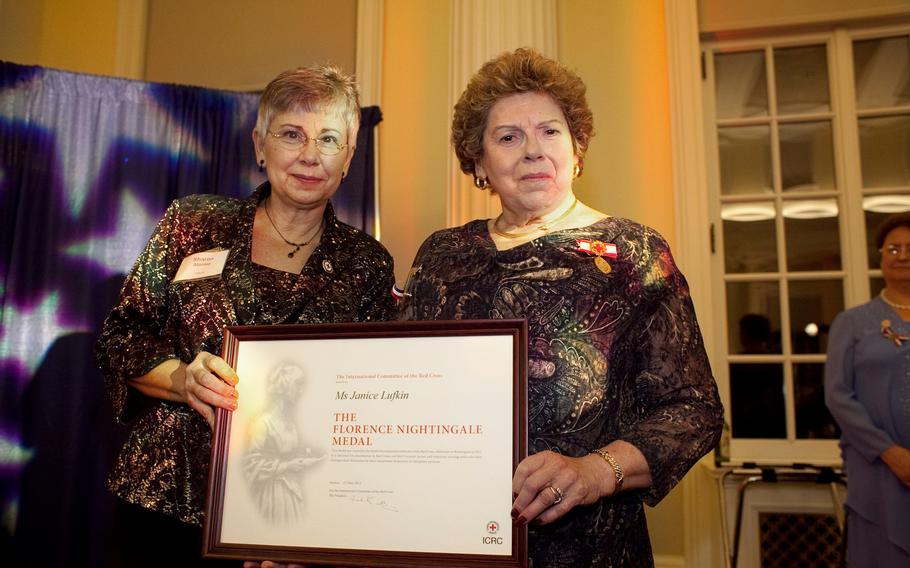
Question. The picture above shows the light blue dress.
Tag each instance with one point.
(867, 389)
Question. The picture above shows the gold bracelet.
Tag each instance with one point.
(617, 469)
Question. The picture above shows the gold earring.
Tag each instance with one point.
(481, 183)
(576, 171)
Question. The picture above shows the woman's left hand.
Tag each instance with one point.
(546, 477)
(897, 459)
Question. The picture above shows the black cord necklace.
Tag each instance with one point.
(296, 246)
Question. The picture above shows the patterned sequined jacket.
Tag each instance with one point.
(164, 463)
(615, 352)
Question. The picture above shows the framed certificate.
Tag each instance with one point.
(371, 444)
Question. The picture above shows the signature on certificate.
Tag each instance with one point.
(374, 501)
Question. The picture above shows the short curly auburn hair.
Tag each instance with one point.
(521, 71)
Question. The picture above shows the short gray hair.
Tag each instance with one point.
(309, 89)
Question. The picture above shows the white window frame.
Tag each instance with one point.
(854, 273)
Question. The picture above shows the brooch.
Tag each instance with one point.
(601, 251)
(892, 335)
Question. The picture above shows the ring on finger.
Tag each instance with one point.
(557, 494)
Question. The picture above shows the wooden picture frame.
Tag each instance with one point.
(373, 444)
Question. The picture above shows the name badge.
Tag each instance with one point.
(206, 264)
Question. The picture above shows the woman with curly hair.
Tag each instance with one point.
(621, 397)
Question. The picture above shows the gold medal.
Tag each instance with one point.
(602, 265)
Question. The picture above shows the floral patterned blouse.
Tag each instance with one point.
(615, 353)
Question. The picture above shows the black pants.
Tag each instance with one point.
(144, 538)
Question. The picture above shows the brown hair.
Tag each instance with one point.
(521, 71)
(890, 223)
(312, 88)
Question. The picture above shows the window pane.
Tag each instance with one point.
(884, 144)
(813, 420)
(750, 243)
(801, 76)
(812, 232)
(741, 84)
(745, 159)
(807, 156)
(757, 400)
(813, 304)
(881, 71)
(876, 208)
(753, 317)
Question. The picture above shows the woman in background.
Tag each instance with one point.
(621, 397)
(867, 390)
(288, 260)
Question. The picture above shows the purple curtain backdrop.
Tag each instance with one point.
(87, 166)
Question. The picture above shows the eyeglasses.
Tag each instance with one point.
(895, 250)
(292, 139)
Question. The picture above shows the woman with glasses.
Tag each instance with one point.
(279, 256)
(867, 389)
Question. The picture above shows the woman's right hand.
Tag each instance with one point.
(898, 459)
(209, 383)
